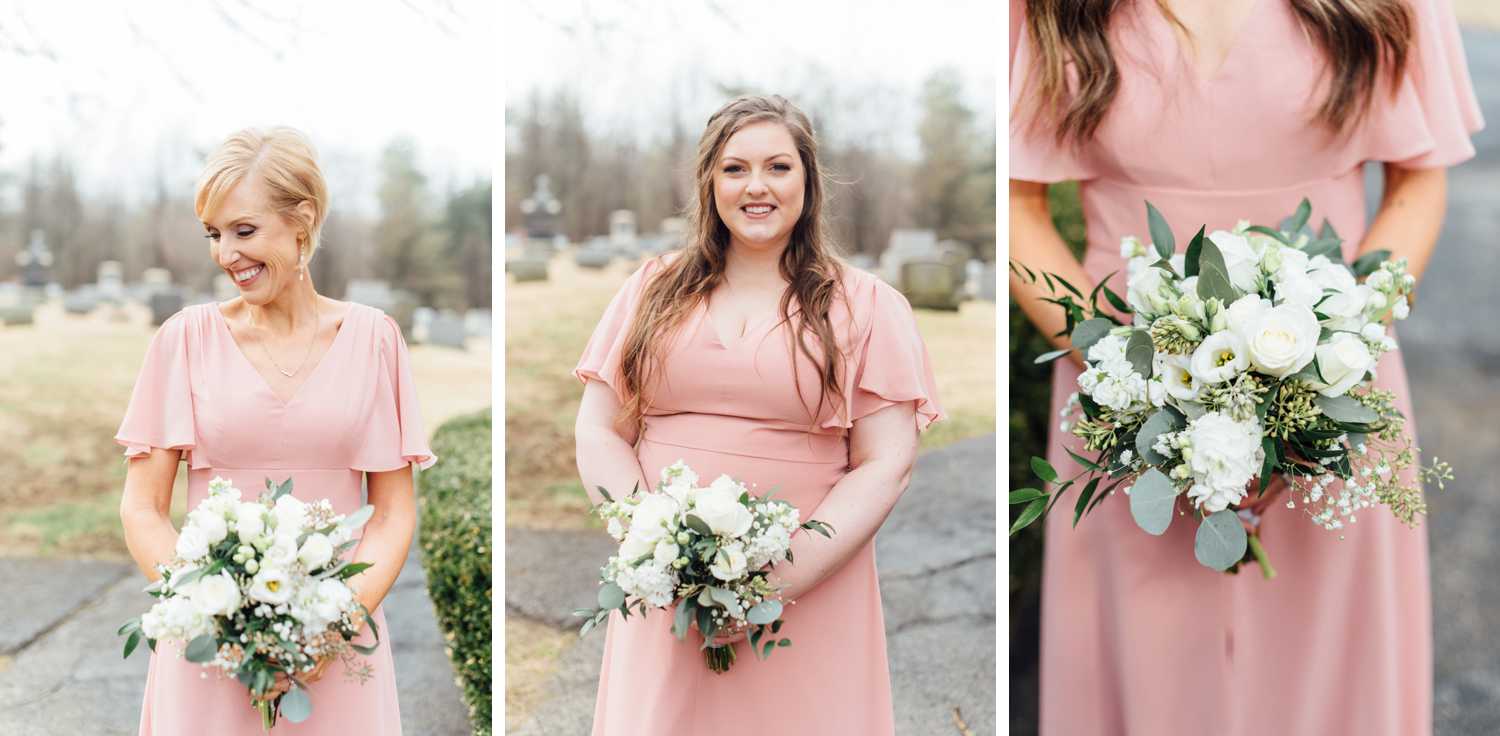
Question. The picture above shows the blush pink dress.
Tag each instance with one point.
(355, 413)
(1136, 636)
(730, 406)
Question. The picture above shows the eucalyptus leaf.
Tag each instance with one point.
(1268, 232)
(1089, 332)
(682, 619)
(1298, 219)
(728, 600)
(358, 518)
(1161, 232)
(296, 706)
(1054, 355)
(611, 596)
(764, 612)
(698, 525)
(1194, 252)
(1025, 495)
(1213, 275)
(1139, 351)
(1368, 263)
(201, 650)
(1345, 409)
(1029, 514)
(1153, 500)
(1220, 541)
(1156, 425)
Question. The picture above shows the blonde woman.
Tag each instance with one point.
(755, 352)
(278, 382)
(1244, 108)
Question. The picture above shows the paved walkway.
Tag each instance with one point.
(937, 577)
(61, 673)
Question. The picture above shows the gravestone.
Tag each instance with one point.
(987, 283)
(421, 321)
(447, 330)
(477, 323)
(16, 316)
(527, 269)
(593, 257)
(155, 280)
(80, 301)
(930, 284)
(905, 245)
(35, 262)
(540, 211)
(164, 304)
(111, 285)
(17, 304)
(622, 232)
(371, 292)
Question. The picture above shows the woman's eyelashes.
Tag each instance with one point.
(779, 167)
(241, 233)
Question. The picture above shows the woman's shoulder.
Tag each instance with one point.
(867, 293)
(190, 323)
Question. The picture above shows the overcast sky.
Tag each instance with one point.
(127, 88)
(630, 60)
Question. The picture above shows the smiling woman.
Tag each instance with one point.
(277, 384)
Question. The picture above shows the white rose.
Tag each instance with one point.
(1226, 455)
(282, 552)
(191, 543)
(729, 562)
(654, 515)
(210, 523)
(1347, 300)
(1241, 260)
(271, 585)
(315, 552)
(216, 595)
(636, 546)
(1219, 358)
(249, 521)
(290, 514)
(1283, 340)
(1343, 362)
(1177, 376)
(719, 507)
(666, 551)
(1293, 285)
(1149, 292)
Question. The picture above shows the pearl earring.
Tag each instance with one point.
(302, 265)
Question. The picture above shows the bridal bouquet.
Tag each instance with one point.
(258, 588)
(708, 550)
(1251, 354)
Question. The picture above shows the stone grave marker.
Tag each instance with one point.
(477, 323)
(164, 304)
(447, 329)
(930, 284)
(421, 321)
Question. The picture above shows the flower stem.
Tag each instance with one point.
(719, 658)
(267, 710)
(1260, 557)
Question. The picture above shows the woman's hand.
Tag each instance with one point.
(1256, 502)
(734, 633)
(283, 684)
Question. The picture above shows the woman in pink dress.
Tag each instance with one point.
(279, 382)
(1216, 112)
(754, 352)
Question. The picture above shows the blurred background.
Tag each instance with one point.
(1450, 361)
(109, 112)
(605, 103)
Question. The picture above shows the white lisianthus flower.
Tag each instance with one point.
(1177, 376)
(637, 545)
(1219, 358)
(290, 513)
(1226, 455)
(315, 552)
(191, 543)
(719, 507)
(1343, 361)
(216, 595)
(282, 552)
(249, 520)
(1283, 340)
(271, 585)
(1342, 299)
(1150, 292)
(729, 562)
(654, 517)
(1241, 260)
(1292, 281)
(210, 523)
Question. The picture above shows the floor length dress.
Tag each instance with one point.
(1136, 636)
(355, 413)
(730, 406)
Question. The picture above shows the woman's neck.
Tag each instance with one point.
(289, 312)
(754, 267)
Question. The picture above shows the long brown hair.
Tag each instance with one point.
(808, 263)
(1357, 37)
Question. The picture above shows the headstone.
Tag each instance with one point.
(10, 294)
(540, 211)
(371, 292)
(164, 304)
(111, 282)
(622, 231)
(155, 280)
(16, 315)
(447, 330)
(987, 283)
(905, 245)
(930, 285)
(592, 257)
(35, 262)
(527, 269)
(421, 320)
(538, 250)
(83, 300)
(477, 323)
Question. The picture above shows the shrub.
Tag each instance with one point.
(456, 539)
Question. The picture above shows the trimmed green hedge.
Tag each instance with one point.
(1030, 399)
(456, 538)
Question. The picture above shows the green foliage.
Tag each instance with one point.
(456, 541)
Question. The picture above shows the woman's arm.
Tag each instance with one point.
(1035, 243)
(605, 452)
(386, 536)
(145, 509)
(882, 449)
(1410, 216)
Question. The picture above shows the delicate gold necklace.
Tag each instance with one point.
(317, 325)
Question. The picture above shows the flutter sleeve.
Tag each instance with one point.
(890, 364)
(160, 413)
(601, 358)
(395, 437)
(1035, 153)
(1434, 111)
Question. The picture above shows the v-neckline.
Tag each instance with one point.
(713, 329)
(1190, 60)
(266, 383)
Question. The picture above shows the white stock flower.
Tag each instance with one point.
(315, 552)
(1373, 332)
(719, 507)
(210, 523)
(636, 546)
(290, 514)
(1283, 340)
(1219, 358)
(218, 484)
(191, 543)
(271, 585)
(729, 562)
(1226, 455)
(666, 551)
(1241, 260)
(249, 521)
(175, 618)
(616, 529)
(1401, 309)
(1343, 362)
(1109, 349)
(1132, 247)
(678, 481)
(215, 595)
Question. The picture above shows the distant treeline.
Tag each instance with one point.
(436, 245)
(949, 188)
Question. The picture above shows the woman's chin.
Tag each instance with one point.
(761, 238)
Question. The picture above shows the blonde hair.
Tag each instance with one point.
(284, 159)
